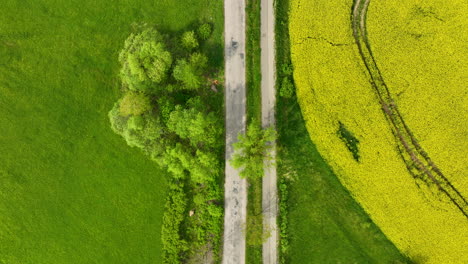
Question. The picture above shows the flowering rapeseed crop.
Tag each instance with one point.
(419, 47)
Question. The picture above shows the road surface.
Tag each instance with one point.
(235, 188)
(269, 191)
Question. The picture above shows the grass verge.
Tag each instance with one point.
(253, 78)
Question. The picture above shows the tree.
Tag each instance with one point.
(134, 104)
(204, 31)
(198, 127)
(183, 160)
(145, 61)
(252, 150)
(190, 72)
(205, 167)
(189, 41)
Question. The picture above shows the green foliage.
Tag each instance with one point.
(204, 31)
(166, 105)
(252, 150)
(201, 129)
(199, 62)
(190, 72)
(117, 121)
(286, 88)
(256, 236)
(189, 40)
(145, 61)
(254, 228)
(286, 69)
(134, 104)
(136, 123)
(205, 225)
(185, 140)
(252, 60)
(283, 220)
(173, 243)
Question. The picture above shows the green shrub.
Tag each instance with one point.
(190, 72)
(204, 31)
(283, 220)
(189, 41)
(286, 69)
(173, 244)
(287, 88)
(185, 73)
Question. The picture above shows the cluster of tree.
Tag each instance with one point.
(253, 149)
(164, 111)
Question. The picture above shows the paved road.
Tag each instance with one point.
(235, 188)
(270, 193)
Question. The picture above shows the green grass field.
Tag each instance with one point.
(71, 191)
(324, 223)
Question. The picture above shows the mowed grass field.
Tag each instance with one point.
(420, 49)
(71, 191)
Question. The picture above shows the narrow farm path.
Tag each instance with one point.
(269, 190)
(235, 188)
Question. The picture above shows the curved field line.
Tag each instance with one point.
(416, 159)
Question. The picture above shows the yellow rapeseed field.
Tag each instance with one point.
(420, 47)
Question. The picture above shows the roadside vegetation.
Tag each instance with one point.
(172, 110)
(319, 220)
(71, 190)
(413, 45)
(254, 225)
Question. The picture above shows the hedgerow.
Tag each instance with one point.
(177, 123)
(283, 219)
(333, 88)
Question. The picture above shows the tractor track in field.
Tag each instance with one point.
(417, 161)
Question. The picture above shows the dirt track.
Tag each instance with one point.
(235, 188)
(269, 184)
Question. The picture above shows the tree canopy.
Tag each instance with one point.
(252, 150)
(190, 72)
(164, 113)
(134, 104)
(145, 61)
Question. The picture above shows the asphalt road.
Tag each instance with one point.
(269, 191)
(235, 188)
